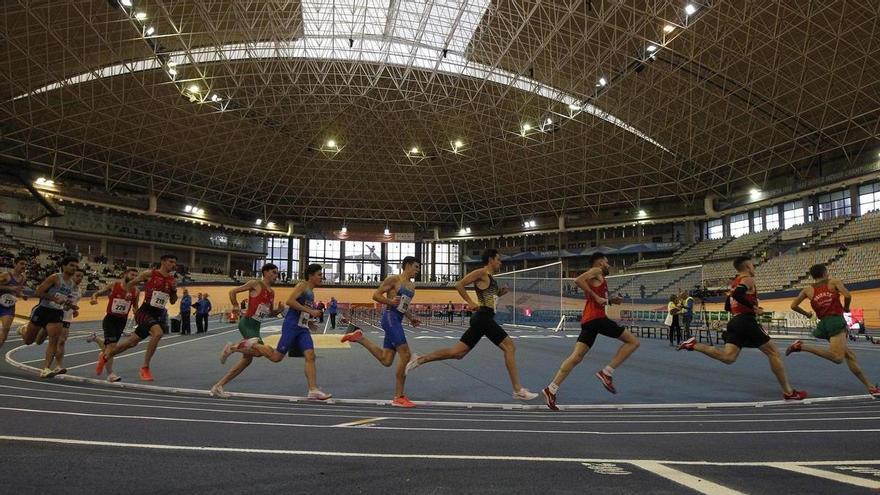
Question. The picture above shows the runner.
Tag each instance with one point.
(47, 316)
(482, 323)
(261, 305)
(824, 295)
(396, 293)
(12, 284)
(160, 288)
(743, 329)
(594, 321)
(295, 331)
(71, 311)
(119, 303)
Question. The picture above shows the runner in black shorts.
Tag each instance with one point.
(120, 300)
(744, 330)
(594, 322)
(482, 323)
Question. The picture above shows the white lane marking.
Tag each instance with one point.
(361, 422)
(797, 467)
(92, 351)
(409, 456)
(693, 482)
(476, 416)
(443, 430)
(606, 468)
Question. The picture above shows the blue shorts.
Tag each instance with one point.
(4, 311)
(293, 336)
(392, 323)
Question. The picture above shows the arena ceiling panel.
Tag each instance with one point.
(444, 111)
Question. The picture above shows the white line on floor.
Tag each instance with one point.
(828, 475)
(693, 482)
(360, 422)
(91, 351)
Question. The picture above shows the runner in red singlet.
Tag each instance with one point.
(119, 303)
(824, 295)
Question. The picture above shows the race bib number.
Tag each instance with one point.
(304, 319)
(403, 306)
(8, 300)
(158, 299)
(120, 306)
(263, 310)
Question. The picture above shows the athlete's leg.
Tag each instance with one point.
(263, 350)
(41, 336)
(458, 351)
(310, 369)
(384, 356)
(836, 351)
(5, 325)
(629, 346)
(400, 374)
(509, 348)
(53, 330)
(121, 347)
(574, 359)
(726, 356)
(61, 347)
(776, 365)
(30, 333)
(155, 337)
(856, 370)
(236, 370)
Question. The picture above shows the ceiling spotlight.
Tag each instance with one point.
(467, 230)
(643, 213)
(216, 98)
(150, 31)
(526, 127)
(344, 229)
(331, 143)
(188, 208)
(602, 81)
(270, 225)
(172, 71)
(194, 88)
(126, 3)
(458, 144)
(414, 151)
(668, 28)
(652, 48)
(387, 231)
(259, 221)
(549, 121)
(690, 9)
(462, 231)
(140, 16)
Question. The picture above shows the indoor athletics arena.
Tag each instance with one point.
(440, 246)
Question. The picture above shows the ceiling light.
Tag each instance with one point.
(526, 127)
(172, 71)
(458, 143)
(344, 229)
(194, 88)
(270, 225)
(668, 28)
(140, 16)
(387, 231)
(41, 180)
(414, 151)
(652, 48)
(461, 231)
(331, 143)
(188, 208)
(150, 31)
(643, 213)
(171, 63)
(467, 230)
(259, 221)
(573, 107)
(126, 3)
(549, 121)
(602, 81)
(690, 9)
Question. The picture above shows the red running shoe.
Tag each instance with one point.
(687, 345)
(146, 375)
(402, 401)
(550, 398)
(795, 395)
(794, 347)
(354, 336)
(874, 390)
(606, 380)
(102, 361)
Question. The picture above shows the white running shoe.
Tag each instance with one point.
(217, 391)
(47, 373)
(113, 378)
(318, 395)
(412, 364)
(93, 337)
(228, 349)
(524, 394)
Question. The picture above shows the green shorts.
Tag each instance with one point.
(829, 327)
(249, 328)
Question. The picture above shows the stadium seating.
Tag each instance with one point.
(650, 264)
(744, 244)
(781, 272)
(699, 251)
(859, 264)
(863, 228)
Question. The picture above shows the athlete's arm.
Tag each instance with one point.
(233, 294)
(143, 277)
(847, 297)
(172, 298)
(583, 281)
(468, 279)
(796, 304)
(295, 305)
(5, 277)
(43, 289)
(387, 285)
(103, 291)
(739, 294)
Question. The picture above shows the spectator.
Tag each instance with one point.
(185, 311)
(673, 309)
(331, 310)
(642, 291)
(321, 308)
(203, 309)
(687, 304)
(450, 311)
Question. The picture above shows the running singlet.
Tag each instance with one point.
(260, 307)
(120, 302)
(68, 313)
(8, 299)
(157, 290)
(488, 297)
(301, 318)
(738, 309)
(62, 288)
(406, 296)
(826, 301)
(592, 309)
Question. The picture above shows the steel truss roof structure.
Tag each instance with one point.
(439, 111)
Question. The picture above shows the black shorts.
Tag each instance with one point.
(43, 316)
(113, 325)
(146, 318)
(65, 324)
(745, 331)
(605, 326)
(483, 324)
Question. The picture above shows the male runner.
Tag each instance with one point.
(120, 300)
(824, 295)
(12, 283)
(54, 294)
(594, 321)
(743, 329)
(396, 293)
(71, 311)
(295, 331)
(261, 305)
(482, 323)
(160, 288)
